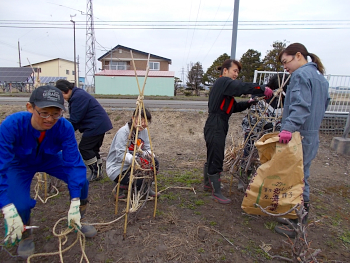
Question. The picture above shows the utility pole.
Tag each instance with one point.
(19, 54)
(75, 56)
(234, 30)
(110, 63)
(90, 59)
(78, 71)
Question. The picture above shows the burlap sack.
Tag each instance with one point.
(278, 183)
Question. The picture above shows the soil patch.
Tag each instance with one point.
(189, 226)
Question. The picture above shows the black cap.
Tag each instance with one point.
(47, 96)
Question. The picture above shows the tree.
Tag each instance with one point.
(250, 61)
(212, 73)
(271, 62)
(195, 77)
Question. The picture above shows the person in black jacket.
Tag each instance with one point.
(88, 116)
(221, 105)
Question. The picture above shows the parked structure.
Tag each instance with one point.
(12, 78)
(57, 67)
(118, 76)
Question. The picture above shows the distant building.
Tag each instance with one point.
(56, 68)
(118, 76)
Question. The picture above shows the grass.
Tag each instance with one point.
(187, 178)
(270, 225)
(345, 237)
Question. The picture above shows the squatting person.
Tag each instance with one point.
(117, 150)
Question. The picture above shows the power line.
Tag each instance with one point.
(171, 28)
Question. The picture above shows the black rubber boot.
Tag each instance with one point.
(215, 182)
(88, 230)
(207, 185)
(26, 246)
(307, 209)
(100, 169)
(285, 229)
(93, 172)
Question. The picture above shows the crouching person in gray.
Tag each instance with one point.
(117, 150)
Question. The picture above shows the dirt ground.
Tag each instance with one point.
(189, 226)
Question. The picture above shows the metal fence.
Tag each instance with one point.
(339, 106)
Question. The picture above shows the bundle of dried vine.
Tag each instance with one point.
(242, 159)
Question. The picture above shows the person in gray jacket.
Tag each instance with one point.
(117, 150)
(305, 104)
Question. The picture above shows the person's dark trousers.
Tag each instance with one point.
(215, 142)
(89, 148)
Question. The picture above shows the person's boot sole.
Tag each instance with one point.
(26, 248)
(220, 200)
(88, 231)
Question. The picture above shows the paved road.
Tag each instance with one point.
(152, 104)
(127, 103)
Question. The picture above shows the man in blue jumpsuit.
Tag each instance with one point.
(39, 141)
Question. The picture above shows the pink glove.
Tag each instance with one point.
(268, 92)
(285, 136)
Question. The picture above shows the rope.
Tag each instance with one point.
(38, 186)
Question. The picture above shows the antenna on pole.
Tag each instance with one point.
(76, 84)
(90, 59)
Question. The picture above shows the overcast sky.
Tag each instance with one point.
(260, 24)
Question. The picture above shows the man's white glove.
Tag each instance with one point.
(74, 213)
(13, 224)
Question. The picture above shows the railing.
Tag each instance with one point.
(339, 106)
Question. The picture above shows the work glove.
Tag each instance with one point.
(268, 92)
(285, 136)
(253, 101)
(74, 213)
(13, 224)
(147, 154)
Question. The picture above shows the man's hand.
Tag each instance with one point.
(285, 136)
(13, 224)
(74, 213)
(268, 92)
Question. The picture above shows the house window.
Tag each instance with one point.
(154, 66)
(73, 72)
(67, 72)
(36, 70)
(118, 65)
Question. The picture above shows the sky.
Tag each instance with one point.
(322, 26)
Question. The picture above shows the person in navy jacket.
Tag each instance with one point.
(88, 116)
(39, 141)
